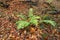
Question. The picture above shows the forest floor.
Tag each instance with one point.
(8, 30)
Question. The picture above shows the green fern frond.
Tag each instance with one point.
(22, 24)
(53, 23)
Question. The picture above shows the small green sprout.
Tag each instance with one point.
(33, 19)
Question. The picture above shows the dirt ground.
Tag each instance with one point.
(8, 18)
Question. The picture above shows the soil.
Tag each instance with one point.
(8, 17)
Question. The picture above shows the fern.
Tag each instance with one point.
(48, 20)
(22, 24)
(53, 23)
(33, 19)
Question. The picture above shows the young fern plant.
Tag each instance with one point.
(31, 19)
